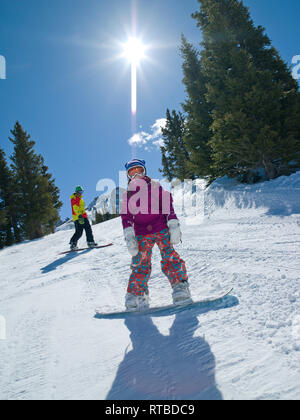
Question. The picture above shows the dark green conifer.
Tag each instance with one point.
(38, 202)
(7, 216)
(174, 153)
(198, 113)
(253, 97)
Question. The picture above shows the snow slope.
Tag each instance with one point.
(248, 347)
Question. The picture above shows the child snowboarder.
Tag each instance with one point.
(148, 218)
(81, 220)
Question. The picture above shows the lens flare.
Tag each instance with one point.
(133, 89)
(134, 51)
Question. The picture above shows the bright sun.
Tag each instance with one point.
(134, 50)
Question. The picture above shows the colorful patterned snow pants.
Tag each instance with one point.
(171, 264)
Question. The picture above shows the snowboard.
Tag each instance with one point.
(84, 249)
(160, 310)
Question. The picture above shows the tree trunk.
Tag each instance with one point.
(17, 233)
(270, 168)
(9, 236)
(39, 232)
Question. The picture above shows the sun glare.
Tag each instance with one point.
(134, 50)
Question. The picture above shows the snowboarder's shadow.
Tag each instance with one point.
(178, 366)
(53, 266)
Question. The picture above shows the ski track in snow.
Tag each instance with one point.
(56, 349)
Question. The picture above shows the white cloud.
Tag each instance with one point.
(156, 127)
(138, 139)
(147, 140)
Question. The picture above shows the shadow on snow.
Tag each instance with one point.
(174, 367)
(53, 266)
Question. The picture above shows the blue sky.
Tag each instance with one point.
(69, 90)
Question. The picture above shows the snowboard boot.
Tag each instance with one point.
(181, 293)
(73, 246)
(136, 303)
(92, 245)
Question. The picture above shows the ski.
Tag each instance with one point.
(84, 249)
(164, 308)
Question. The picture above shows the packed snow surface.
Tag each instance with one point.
(246, 347)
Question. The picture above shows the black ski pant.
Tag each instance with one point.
(79, 231)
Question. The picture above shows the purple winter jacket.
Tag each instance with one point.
(147, 207)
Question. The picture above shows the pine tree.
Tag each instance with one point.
(253, 97)
(3, 200)
(34, 188)
(6, 203)
(56, 203)
(167, 166)
(174, 153)
(104, 217)
(3, 222)
(198, 111)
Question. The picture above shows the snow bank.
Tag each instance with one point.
(226, 198)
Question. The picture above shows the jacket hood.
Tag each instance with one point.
(74, 196)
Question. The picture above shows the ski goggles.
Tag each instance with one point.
(136, 171)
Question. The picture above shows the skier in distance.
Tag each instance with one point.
(148, 218)
(81, 220)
